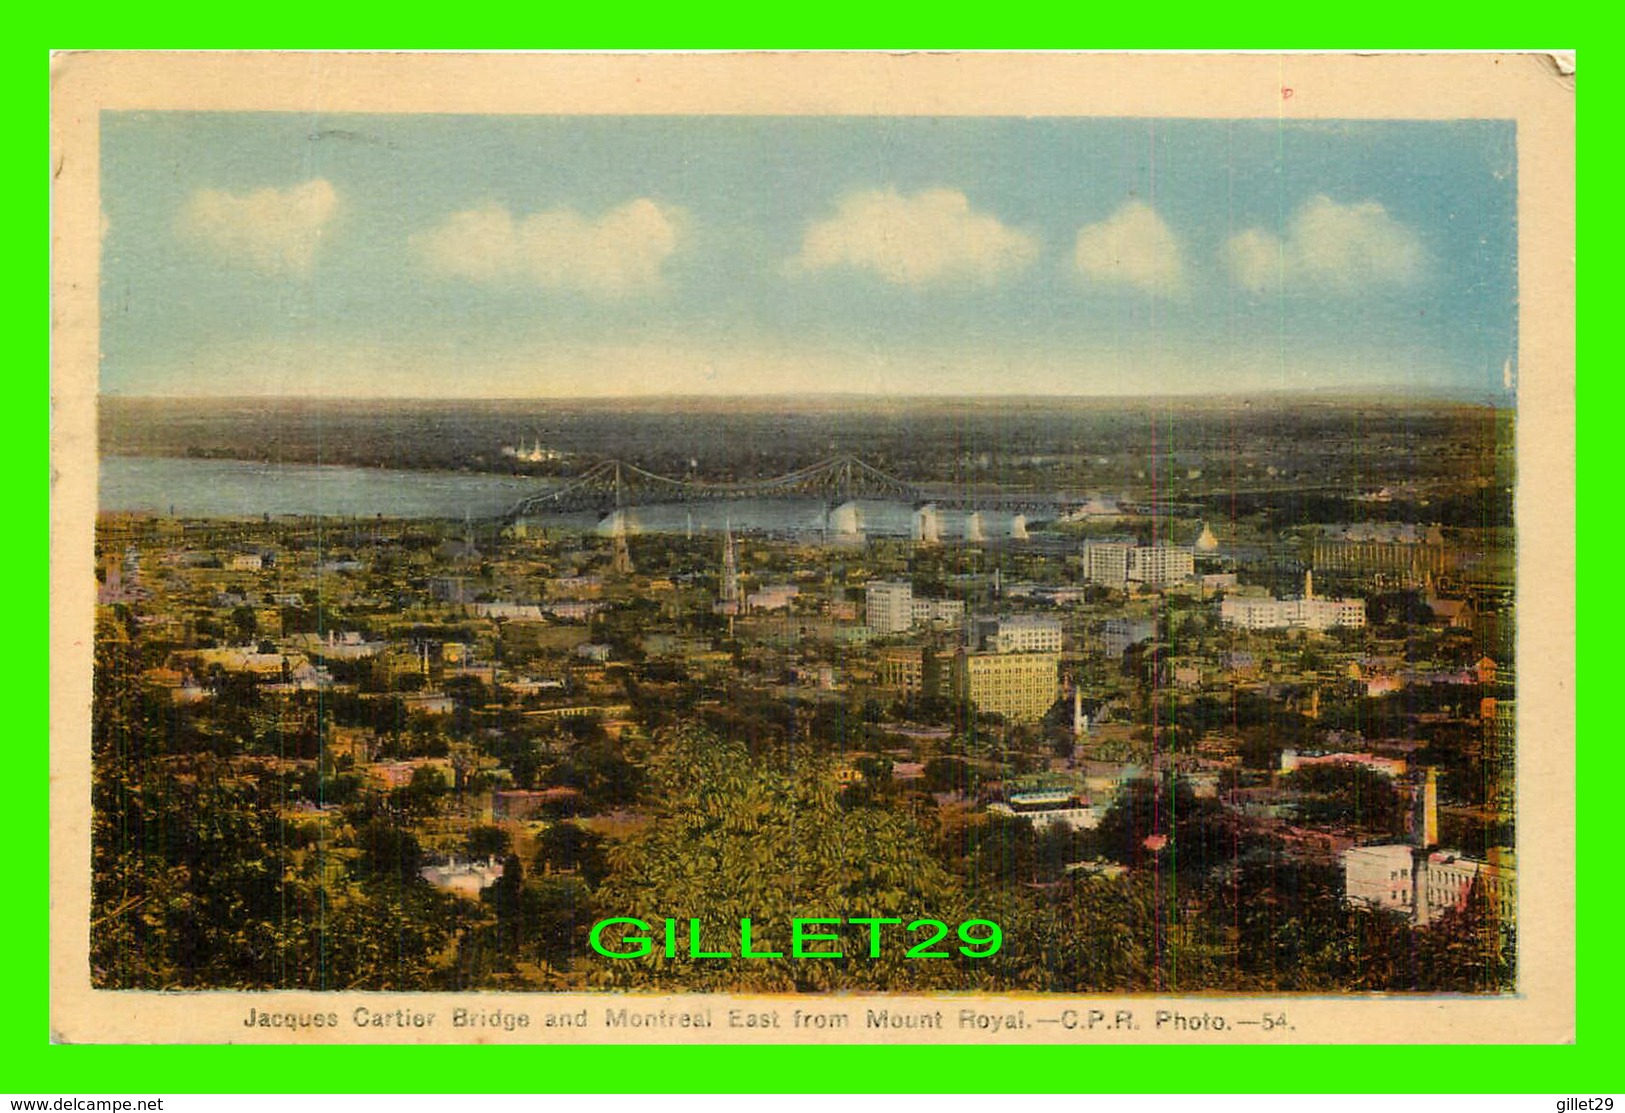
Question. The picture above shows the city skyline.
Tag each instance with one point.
(486, 257)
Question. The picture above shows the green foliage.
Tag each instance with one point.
(1348, 794)
(198, 884)
(731, 836)
(1099, 935)
(486, 840)
(604, 776)
(1195, 834)
(569, 847)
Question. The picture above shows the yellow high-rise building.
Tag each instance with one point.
(1020, 686)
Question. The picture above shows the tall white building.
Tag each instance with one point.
(1117, 634)
(729, 602)
(1106, 562)
(1161, 564)
(888, 606)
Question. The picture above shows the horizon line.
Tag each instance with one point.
(1495, 396)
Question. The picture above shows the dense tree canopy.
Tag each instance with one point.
(733, 837)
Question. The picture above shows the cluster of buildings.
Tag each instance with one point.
(891, 607)
(1422, 880)
(552, 630)
(1118, 563)
(1253, 612)
(1397, 554)
(1007, 665)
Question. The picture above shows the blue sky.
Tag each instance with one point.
(447, 256)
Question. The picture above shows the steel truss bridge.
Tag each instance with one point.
(617, 485)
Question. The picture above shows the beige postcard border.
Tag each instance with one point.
(1528, 88)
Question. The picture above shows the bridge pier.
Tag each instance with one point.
(927, 524)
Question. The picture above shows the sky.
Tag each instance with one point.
(433, 256)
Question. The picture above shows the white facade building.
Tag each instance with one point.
(1426, 885)
(1308, 613)
(926, 525)
(516, 612)
(888, 606)
(1019, 634)
(1161, 564)
(1077, 818)
(1118, 634)
(1379, 876)
(938, 612)
(1106, 562)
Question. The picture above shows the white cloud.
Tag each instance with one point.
(1257, 260)
(269, 229)
(621, 251)
(1343, 247)
(1133, 247)
(933, 236)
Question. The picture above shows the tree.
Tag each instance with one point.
(731, 836)
(1162, 822)
(950, 774)
(1351, 794)
(1289, 920)
(488, 841)
(1469, 949)
(572, 848)
(422, 795)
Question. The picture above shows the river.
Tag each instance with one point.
(205, 488)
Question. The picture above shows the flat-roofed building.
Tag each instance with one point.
(908, 670)
(1106, 562)
(1253, 612)
(1048, 809)
(1161, 564)
(1022, 687)
(1426, 884)
(888, 606)
(1022, 633)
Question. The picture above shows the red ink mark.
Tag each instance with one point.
(1286, 94)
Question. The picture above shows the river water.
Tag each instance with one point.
(199, 488)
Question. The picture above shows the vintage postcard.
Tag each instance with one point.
(848, 548)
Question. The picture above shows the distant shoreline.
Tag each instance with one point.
(851, 400)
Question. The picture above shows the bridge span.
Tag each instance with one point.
(617, 485)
